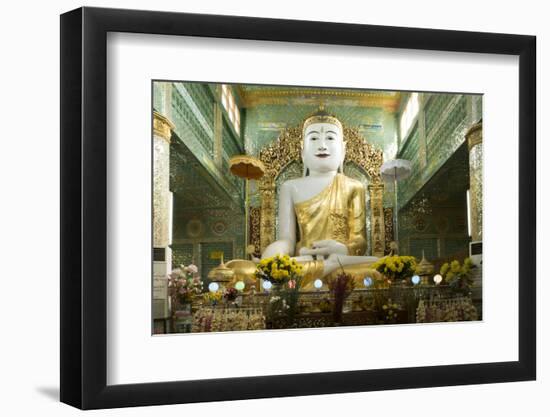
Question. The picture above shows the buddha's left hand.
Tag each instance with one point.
(325, 248)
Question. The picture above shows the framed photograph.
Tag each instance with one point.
(258, 208)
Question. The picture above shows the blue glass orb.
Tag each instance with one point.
(266, 285)
(318, 283)
(367, 281)
(415, 279)
(213, 287)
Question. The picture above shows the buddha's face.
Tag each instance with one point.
(323, 148)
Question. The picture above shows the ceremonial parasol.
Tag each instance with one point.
(395, 170)
(249, 168)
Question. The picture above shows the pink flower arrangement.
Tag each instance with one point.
(184, 284)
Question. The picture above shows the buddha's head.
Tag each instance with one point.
(323, 146)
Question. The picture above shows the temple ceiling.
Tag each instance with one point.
(256, 95)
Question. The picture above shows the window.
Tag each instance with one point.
(409, 114)
(230, 106)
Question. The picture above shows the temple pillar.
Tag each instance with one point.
(378, 241)
(162, 214)
(474, 136)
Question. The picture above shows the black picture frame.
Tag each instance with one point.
(84, 207)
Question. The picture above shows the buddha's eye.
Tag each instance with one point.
(330, 138)
(313, 138)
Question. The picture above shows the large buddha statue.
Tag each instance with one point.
(326, 206)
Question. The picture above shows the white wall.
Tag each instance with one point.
(30, 203)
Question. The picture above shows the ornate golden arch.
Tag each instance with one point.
(286, 149)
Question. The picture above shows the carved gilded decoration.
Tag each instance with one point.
(162, 126)
(281, 96)
(255, 224)
(378, 229)
(267, 215)
(287, 149)
(363, 154)
(474, 135)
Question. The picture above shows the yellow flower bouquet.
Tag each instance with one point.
(278, 269)
(458, 276)
(396, 267)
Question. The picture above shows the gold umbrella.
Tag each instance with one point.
(249, 168)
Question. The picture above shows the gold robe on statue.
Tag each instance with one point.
(336, 213)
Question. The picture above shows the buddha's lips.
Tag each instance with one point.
(322, 155)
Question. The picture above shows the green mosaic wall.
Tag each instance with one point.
(435, 219)
(440, 234)
(231, 147)
(433, 214)
(190, 119)
(409, 151)
(190, 106)
(434, 108)
(447, 118)
(208, 201)
(182, 254)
